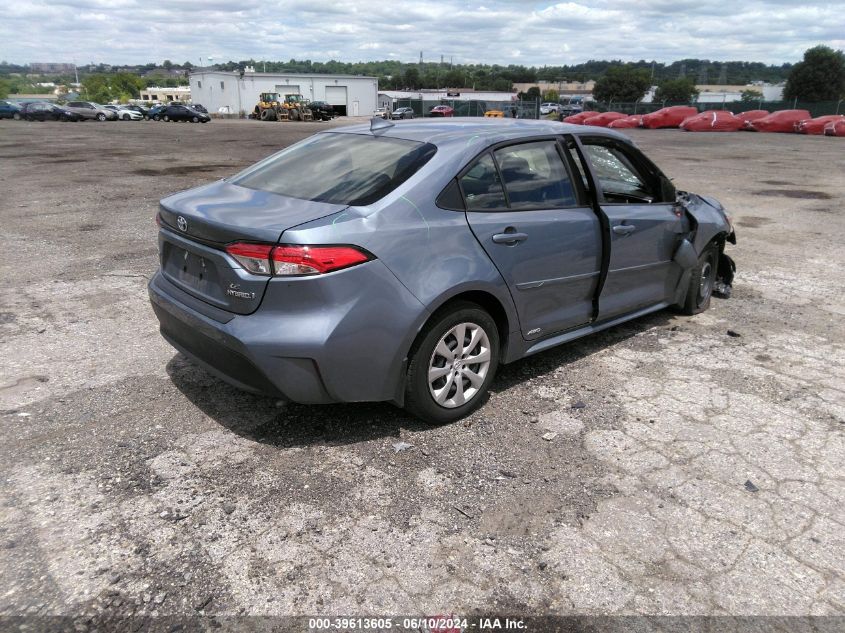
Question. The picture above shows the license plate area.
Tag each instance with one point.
(191, 270)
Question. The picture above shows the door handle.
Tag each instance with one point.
(624, 229)
(509, 238)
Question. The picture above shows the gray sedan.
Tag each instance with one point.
(402, 113)
(91, 110)
(404, 263)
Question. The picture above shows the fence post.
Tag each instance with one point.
(837, 106)
(795, 103)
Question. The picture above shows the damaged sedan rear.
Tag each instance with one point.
(403, 262)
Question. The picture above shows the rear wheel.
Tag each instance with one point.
(701, 282)
(453, 364)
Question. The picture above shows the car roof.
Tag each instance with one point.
(441, 132)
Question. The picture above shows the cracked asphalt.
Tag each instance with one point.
(703, 474)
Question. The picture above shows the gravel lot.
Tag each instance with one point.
(698, 466)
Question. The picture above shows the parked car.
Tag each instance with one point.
(124, 113)
(42, 111)
(573, 106)
(322, 110)
(139, 109)
(549, 107)
(476, 235)
(154, 113)
(442, 111)
(91, 110)
(183, 113)
(381, 113)
(10, 110)
(402, 113)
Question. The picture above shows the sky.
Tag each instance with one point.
(487, 31)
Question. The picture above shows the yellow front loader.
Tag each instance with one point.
(272, 106)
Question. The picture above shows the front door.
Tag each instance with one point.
(538, 230)
(644, 228)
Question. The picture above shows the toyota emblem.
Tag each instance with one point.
(182, 223)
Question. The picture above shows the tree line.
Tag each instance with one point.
(820, 76)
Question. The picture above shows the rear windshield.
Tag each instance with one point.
(351, 169)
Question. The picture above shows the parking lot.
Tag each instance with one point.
(697, 467)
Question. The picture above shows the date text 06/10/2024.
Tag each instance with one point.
(434, 624)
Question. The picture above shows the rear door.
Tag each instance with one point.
(644, 226)
(534, 223)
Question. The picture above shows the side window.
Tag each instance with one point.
(481, 186)
(619, 178)
(535, 176)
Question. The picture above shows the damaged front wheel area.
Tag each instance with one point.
(702, 281)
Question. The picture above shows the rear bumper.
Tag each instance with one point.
(342, 338)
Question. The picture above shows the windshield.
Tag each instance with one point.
(351, 169)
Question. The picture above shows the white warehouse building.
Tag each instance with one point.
(234, 92)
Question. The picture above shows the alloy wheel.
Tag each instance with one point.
(705, 287)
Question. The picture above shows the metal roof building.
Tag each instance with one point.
(235, 92)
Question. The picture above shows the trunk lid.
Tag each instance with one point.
(198, 224)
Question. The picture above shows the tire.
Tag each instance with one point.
(441, 401)
(166, 118)
(101, 117)
(156, 118)
(196, 119)
(701, 282)
(16, 116)
(146, 118)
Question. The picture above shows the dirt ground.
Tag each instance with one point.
(697, 470)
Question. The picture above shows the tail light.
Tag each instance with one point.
(295, 260)
(255, 258)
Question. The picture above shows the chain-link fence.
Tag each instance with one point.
(818, 108)
(522, 109)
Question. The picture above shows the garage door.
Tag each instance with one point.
(287, 89)
(336, 95)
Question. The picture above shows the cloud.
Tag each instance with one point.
(492, 31)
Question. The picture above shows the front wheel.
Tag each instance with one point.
(166, 118)
(453, 365)
(101, 117)
(16, 116)
(195, 119)
(701, 282)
